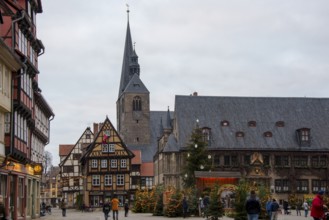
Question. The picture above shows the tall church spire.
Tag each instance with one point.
(130, 64)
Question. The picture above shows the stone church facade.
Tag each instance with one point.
(279, 142)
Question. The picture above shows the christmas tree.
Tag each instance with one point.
(196, 157)
(158, 208)
(240, 200)
(174, 206)
(215, 209)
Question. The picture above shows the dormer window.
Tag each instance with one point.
(252, 124)
(304, 136)
(279, 123)
(206, 134)
(239, 134)
(267, 134)
(225, 123)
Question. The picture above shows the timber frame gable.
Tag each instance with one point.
(70, 172)
(106, 165)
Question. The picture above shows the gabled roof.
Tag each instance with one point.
(296, 113)
(147, 169)
(99, 138)
(72, 147)
(135, 85)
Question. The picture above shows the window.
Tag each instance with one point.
(318, 185)
(268, 134)
(105, 148)
(279, 124)
(304, 136)
(68, 169)
(94, 163)
(103, 163)
(88, 136)
(147, 182)
(96, 180)
(302, 186)
(76, 182)
(247, 160)
(123, 163)
(300, 161)
(114, 163)
(266, 159)
(76, 156)
(225, 123)
(239, 134)
(281, 161)
(217, 160)
(252, 124)
(111, 148)
(120, 179)
(206, 134)
(137, 103)
(108, 180)
(282, 185)
(319, 161)
(230, 160)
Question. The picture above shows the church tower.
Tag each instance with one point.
(133, 104)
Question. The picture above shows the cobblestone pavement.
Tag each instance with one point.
(72, 214)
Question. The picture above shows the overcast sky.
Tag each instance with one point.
(272, 48)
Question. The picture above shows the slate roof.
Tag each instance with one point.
(296, 113)
(136, 85)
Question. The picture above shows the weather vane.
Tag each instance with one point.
(127, 11)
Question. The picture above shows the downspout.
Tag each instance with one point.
(50, 119)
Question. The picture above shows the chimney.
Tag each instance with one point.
(195, 93)
(95, 128)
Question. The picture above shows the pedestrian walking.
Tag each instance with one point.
(317, 209)
(63, 207)
(115, 207)
(126, 206)
(298, 208)
(106, 209)
(275, 209)
(253, 206)
(268, 208)
(185, 207)
(306, 208)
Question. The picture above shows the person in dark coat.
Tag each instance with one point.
(185, 207)
(126, 206)
(253, 206)
(275, 208)
(106, 209)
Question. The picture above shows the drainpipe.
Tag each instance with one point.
(52, 118)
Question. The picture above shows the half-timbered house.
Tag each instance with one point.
(72, 179)
(106, 166)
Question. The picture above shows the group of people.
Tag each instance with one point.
(114, 206)
(107, 207)
(253, 207)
